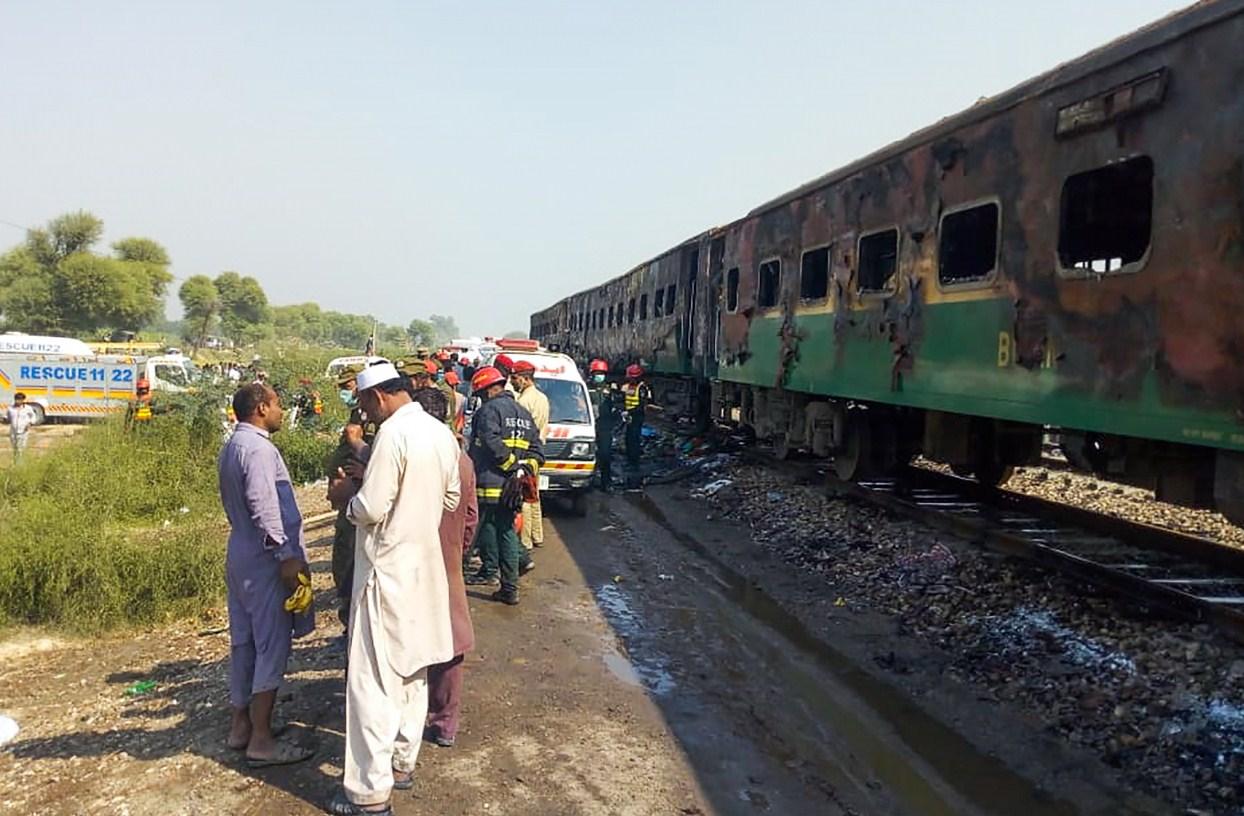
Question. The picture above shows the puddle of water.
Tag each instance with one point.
(644, 667)
(984, 781)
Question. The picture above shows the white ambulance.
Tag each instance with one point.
(570, 446)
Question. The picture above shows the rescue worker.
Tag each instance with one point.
(447, 390)
(459, 403)
(349, 458)
(505, 364)
(537, 404)
(140, 410)
(635, 398)
(506, 452)
(605, 398)
(422, 374)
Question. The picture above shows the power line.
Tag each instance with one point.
(15, 226)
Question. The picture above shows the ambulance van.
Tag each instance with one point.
(570, 446)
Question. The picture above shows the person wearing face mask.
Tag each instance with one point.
(605, 407)
(349, 458)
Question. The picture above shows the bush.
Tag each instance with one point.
(125, 527)
(306, 452)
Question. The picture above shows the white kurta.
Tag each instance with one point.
(399, 616)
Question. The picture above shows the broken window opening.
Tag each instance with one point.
(768, 283)
(878, 259)
(671, 294)
(658, 303)
(600, 323)
(814, 275)
(967, 248)
(643, 306)
(1106, 217)
(630, 312)
(732, 290)
(611, 317)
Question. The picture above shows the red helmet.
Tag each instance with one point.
(451, 378)
(598, 367)
(634, 371)
(523, 367)
(142, 384)
(503, 363)
(430, 367)
(486, 378)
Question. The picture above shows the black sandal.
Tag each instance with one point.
(339, 805)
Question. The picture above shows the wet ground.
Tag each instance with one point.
(646, 672)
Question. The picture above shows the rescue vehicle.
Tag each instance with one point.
(63, 378)
(570, 446)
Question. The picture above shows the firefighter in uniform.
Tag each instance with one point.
(505, 450)
(635, 398)
(140, 410)
(605, 407)
(356, 436)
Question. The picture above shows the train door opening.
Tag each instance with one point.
(690, 266)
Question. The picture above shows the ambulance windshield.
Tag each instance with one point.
(567, 401)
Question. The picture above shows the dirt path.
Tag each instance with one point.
(556, 720)
(637, 677)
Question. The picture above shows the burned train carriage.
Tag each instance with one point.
(1067, 255)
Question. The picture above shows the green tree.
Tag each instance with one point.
(422, 333)
(53, 282)
(244, 312)
(201, 302)
(446, 328)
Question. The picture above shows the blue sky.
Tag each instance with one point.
(477, 159)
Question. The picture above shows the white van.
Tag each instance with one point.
(570, 447)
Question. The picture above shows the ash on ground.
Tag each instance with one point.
(1161, 700)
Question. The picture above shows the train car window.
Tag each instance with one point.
(643, 306)
(768, 283)
(601, 319)
(814, 275)
(732, 290)
(671, 296)
(611, 316)
(658, 303)
(1106, 218)
(967, 245)
(878, 260)
(630, 312)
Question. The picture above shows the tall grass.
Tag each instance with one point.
(124, 527)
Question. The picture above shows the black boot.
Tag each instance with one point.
(509, 596)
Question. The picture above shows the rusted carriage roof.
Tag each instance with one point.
(1153, 35)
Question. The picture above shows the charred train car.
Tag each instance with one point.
(1067, 255)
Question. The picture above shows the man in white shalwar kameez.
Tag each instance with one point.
(399, 615)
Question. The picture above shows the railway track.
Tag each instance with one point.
(1188, 576)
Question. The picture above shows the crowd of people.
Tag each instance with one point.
(424, 508)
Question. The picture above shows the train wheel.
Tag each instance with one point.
(993, 474)
(854, 461)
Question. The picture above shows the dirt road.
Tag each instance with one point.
(635, 678)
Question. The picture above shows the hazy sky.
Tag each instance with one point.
(478, 159)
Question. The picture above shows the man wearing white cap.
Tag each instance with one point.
(399, 611)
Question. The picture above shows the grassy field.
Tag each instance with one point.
(119, 528)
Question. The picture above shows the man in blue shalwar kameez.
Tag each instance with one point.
(262, 566)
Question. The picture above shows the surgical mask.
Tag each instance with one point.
(598, 378)
(348, 397)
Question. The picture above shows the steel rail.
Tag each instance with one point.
(1188, 576)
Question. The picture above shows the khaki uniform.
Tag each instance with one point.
(537, 404)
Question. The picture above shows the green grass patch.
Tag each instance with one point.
(120, 528)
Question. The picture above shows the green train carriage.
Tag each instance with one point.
(1068, 254)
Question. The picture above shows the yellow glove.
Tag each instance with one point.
(300, 601)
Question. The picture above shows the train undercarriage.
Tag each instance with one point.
(872, 439)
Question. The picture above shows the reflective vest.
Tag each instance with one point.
(630, 396)
(143, 412)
